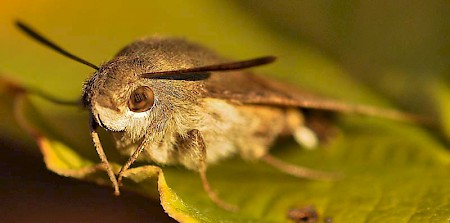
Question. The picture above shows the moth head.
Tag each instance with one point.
(116, 114)
(118, 98)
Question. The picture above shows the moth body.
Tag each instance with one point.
(227, 129)
(228, 126)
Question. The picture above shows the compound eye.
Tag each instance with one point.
(141, 99)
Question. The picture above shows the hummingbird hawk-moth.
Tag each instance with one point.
(174, 102)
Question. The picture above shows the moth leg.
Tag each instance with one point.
(102, 155)
(197, 145)
(298, 171)
(132, 158)
(305, 137)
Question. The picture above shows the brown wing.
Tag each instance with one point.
(247, 88)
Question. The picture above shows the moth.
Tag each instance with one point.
(173, 102)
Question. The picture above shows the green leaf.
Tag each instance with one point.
(392, 172)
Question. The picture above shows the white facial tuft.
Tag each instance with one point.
(137, 115)
(110, 119)
(133, 122)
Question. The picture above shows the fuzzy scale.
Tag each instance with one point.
(227, 129)
(228, 124)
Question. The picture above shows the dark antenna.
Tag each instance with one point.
(33, 34)
(211, 68)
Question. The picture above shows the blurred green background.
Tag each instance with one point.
(394, 47)
(353, 50)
